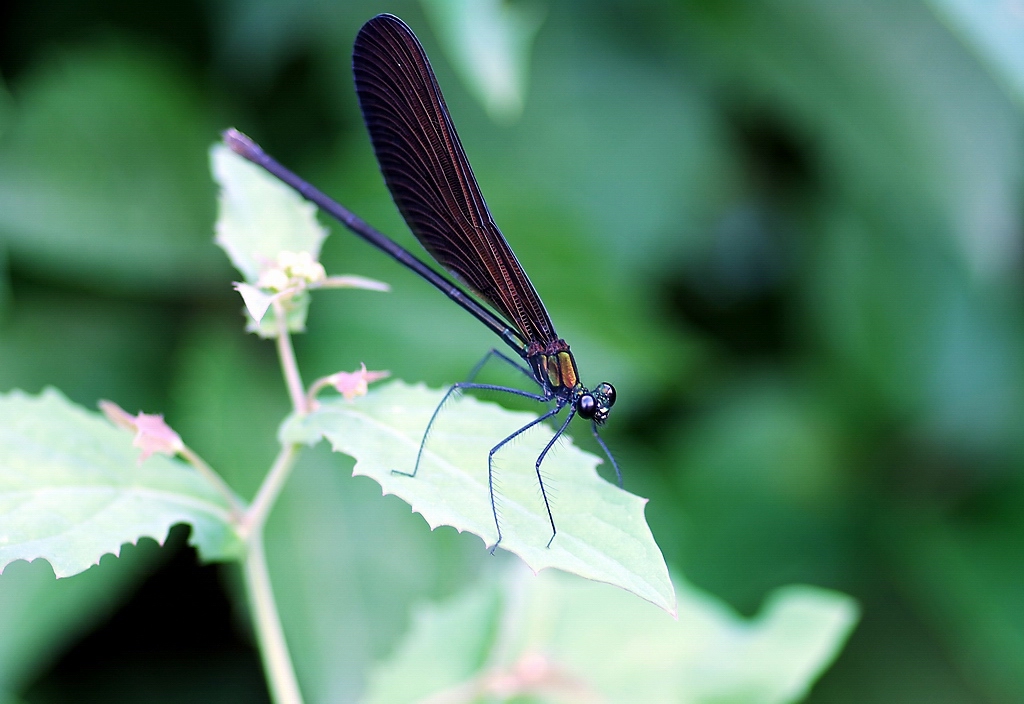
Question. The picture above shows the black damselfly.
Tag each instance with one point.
(432, 183)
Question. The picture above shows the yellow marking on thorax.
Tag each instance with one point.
(551, 362)
(568, 367)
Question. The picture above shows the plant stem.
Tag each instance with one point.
(281, 680)
(290, 369)
(314, 389)
(284, 687)
(207, 471)
(270, 489)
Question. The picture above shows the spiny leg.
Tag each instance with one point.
(423, 440)
(607, 452)
(540, 480)
(503, 357)
(490, 466)
(458, 387)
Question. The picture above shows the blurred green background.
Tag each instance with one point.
(788, 231)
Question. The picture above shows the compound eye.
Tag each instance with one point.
(608, 392)
(586, 406)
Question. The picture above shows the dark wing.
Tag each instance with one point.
(429, 176)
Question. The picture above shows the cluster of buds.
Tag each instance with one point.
(286, 279)
(292, 270)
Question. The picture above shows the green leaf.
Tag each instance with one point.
(257, 301)
(554, 634)
(489, 43)
(995, 30)
(258, 216)
(346, 565)
(71, 489)
(602, 533)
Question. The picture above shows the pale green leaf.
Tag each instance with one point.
(995, 30)
(602, 533)
(72, 490)
(489, 44)
(296, 311)
(256, 301)
(258, 216)
(563, 639)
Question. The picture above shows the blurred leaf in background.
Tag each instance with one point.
(788, 232)
(99, 162)
(558, 638)
(994, 30)
(489, 42)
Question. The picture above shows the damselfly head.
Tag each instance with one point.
(596, 404)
